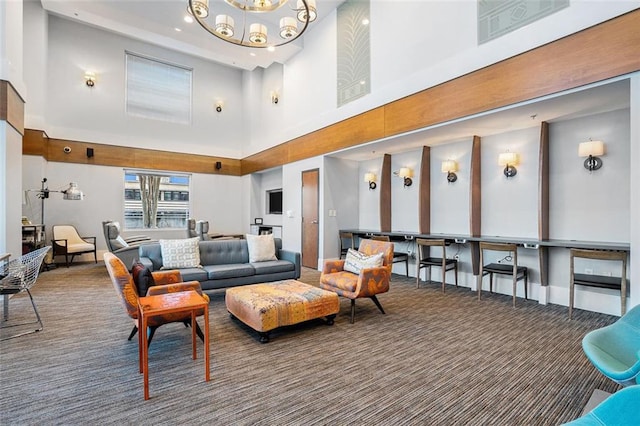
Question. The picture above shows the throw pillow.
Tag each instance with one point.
(356, 261)
(183, 253)
(261, 248)
(142, 278)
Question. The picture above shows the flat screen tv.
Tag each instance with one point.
(274, 201)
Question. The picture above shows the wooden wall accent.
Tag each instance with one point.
(385, 194)
(424, 197)
(365, 127)
(11, 106)
(475, 197)
(543, 183)
(607, 50)
(35, 142)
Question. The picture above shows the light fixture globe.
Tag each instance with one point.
(255, 34)
(199, 8)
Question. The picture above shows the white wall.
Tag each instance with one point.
(341, 189)
(35, 33)
(369, 200)
(413, 62)
(98, 115)
(213, 198)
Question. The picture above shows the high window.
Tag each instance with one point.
(156, 199)
(158, 90)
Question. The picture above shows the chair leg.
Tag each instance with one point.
(418, 277)
(407, 264)
(353, 310)
(515, 284)
(444, 276)
(456, 271)
(38, 320)
(152, 331)
(199, 332)
(133, 332)
(375, 300)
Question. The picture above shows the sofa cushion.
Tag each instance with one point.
(355, 261)
(273, 267)
(219, 272)
(193, 274)
(223, 252)
(183, 253)
(261, 248)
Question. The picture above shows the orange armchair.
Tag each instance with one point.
(164, 282)
(370, 281)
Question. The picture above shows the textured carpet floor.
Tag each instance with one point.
(436, 359)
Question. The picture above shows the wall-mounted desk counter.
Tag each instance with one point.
(542, 246)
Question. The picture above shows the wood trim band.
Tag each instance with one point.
(385, 194)
(11, 106)
(35, 142)
(424, 196)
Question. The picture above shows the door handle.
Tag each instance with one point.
(314, 221)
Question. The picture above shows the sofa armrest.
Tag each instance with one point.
(333, 265)
(373, 281)
(175, 288)
(291, 256)
(147, 263)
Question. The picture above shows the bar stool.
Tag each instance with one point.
(517, 272)
(600, 281)
(429, 261)
(398, 256)
(346, 242)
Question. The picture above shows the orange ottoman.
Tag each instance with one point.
(265, 307)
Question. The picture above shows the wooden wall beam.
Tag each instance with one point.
(385, 194)
(475, 186)
(35, 142)
(424, 197)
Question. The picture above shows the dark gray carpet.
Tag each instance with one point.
(437, 359)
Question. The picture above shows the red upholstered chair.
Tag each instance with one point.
(163, 282)
(368, 283)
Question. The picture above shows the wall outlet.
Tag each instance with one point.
(456, 257)
(588, 271)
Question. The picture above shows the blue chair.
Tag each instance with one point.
(615, 349)
(620, 408)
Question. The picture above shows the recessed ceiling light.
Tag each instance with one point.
(271, 49)
(188, 19)
(252, 54)
(177, 29)
(365, 21)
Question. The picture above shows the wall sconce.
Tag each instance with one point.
(219, 105)
(509, 160)
(275, 98)
(591, 149)
(90, 78)
(405, 173)
(370, 178)
(450, 167)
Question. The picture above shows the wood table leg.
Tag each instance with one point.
(206, 343)
(145, 355)
(193, 334)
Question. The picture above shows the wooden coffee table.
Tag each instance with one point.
(161, 304)
(267, 306)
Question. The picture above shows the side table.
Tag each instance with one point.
(161, 304)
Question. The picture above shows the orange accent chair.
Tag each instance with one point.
(370, 281)
(169, 281)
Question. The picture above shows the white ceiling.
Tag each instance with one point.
(155, 22)
(594, 99)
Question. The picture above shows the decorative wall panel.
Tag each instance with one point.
(353, 51)
(499, 17)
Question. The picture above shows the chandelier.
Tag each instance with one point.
(222, 22)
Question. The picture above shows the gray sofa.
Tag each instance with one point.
(225, 263)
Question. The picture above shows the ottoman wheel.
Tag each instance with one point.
(232, 316)
(264, 337)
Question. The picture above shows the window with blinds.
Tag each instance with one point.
(157, 90)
